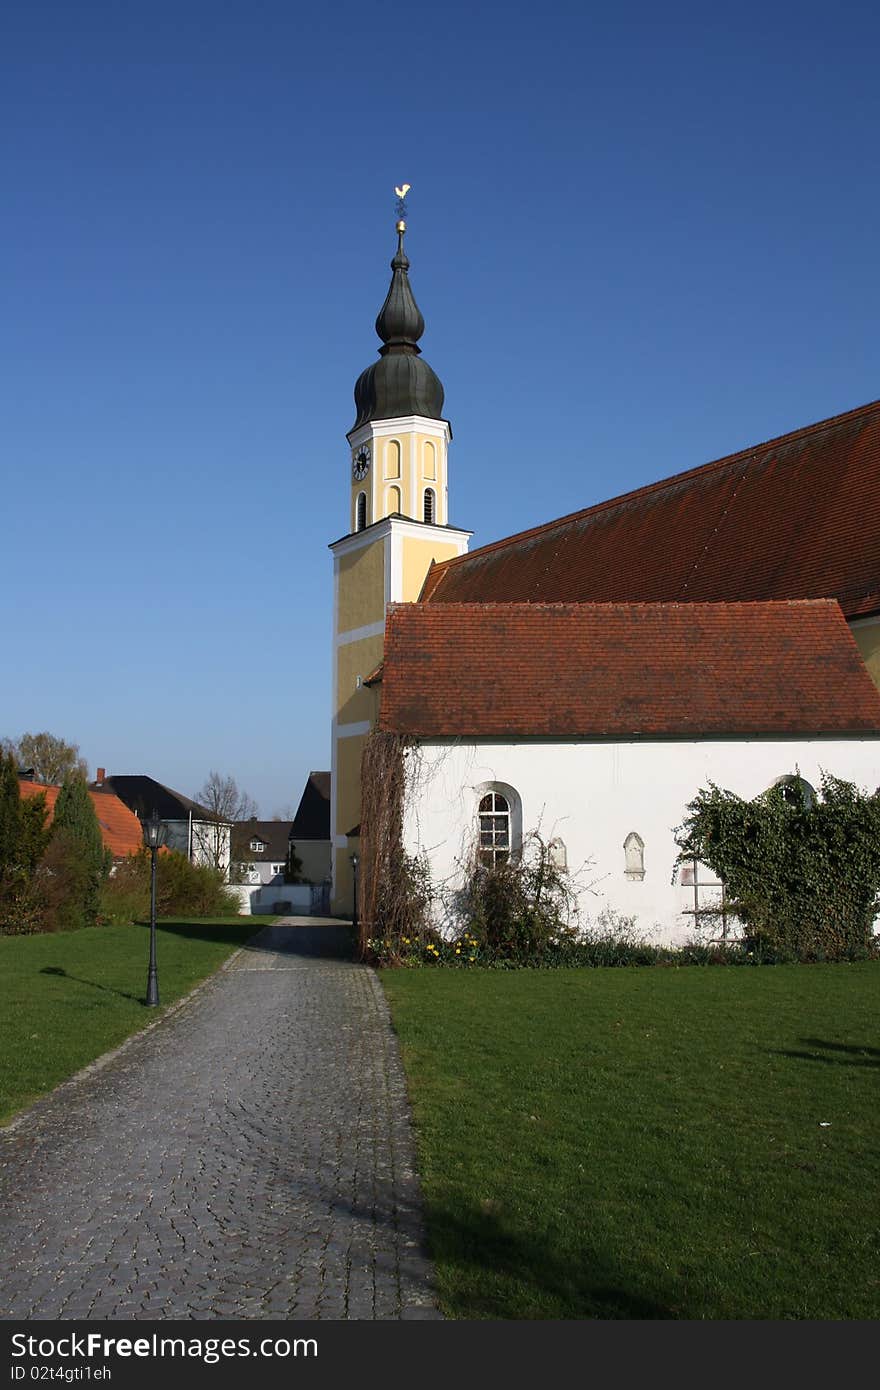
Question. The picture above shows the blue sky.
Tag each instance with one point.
(642, 237)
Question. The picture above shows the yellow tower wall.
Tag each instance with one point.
(417, 557)
(360, 593)
(868, 642)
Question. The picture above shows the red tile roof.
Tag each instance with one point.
(121, 830)
(798, 517)
(624, 670)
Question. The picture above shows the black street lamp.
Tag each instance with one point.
(355, 860)
(154, 838)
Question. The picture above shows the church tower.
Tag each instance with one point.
(397, 524)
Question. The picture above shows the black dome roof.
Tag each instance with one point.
(401, 382)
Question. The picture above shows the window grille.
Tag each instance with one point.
(494, 830)
(430, 506)
(361, 512)
(710, 899)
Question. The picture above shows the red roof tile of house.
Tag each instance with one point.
(121, 830)
(624, 670)
(798, 517)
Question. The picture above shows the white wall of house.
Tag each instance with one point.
(295, 898)
(593, 795)
(207, 839)
(211, 844)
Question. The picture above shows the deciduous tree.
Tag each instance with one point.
(51, 757)
(227, 803)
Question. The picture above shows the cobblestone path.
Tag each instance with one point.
(250, 1157)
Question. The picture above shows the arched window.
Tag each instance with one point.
(494, 830)
(392, 459)
(430, 506)
(430, 460)
(795, 791)
(361, 512)
(634, 856)
(393, 501)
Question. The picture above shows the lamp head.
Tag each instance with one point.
(154, 831)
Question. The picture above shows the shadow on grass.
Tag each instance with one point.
(61, 973)
(841, 1054)
(491, 1273)
(541, 1283)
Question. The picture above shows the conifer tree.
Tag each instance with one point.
(76, 829)
(10, 815)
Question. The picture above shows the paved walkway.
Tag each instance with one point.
(250, 1157)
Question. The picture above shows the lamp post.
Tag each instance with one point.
(154, 837)
(355, 860)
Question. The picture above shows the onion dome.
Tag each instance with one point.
(401, 382)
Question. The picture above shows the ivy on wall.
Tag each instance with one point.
(801, 872)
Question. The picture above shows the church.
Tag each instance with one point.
(583, 679)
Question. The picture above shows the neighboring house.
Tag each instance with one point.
(120, 828)
(259, 851)
(190, 829)
(586, 677)
(310, 831)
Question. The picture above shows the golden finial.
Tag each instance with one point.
(401, 193)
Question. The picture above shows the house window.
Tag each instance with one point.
(494, 830)
(634, 856)
(360, 512)
(257, 846)
(430, 506)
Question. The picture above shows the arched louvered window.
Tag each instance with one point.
(430, 506)
(361, 512)
(494, 828)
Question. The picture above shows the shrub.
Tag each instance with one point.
(64, 885)
(519, 910)
(182, 889)
(803, 877)
(23, 840)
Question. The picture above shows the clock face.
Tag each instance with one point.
(360, 466)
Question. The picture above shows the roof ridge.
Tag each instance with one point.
(484, 606)
(648, 488)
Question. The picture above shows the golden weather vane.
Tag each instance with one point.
(401, 193)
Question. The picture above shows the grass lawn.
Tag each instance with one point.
(66, 997)
(648, 1143)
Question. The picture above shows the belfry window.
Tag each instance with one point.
(430, 506)
(494, 830)
(360, 512)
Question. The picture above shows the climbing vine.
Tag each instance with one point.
(394, 889)
(802, 875)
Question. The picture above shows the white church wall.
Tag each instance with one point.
(592, 796)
